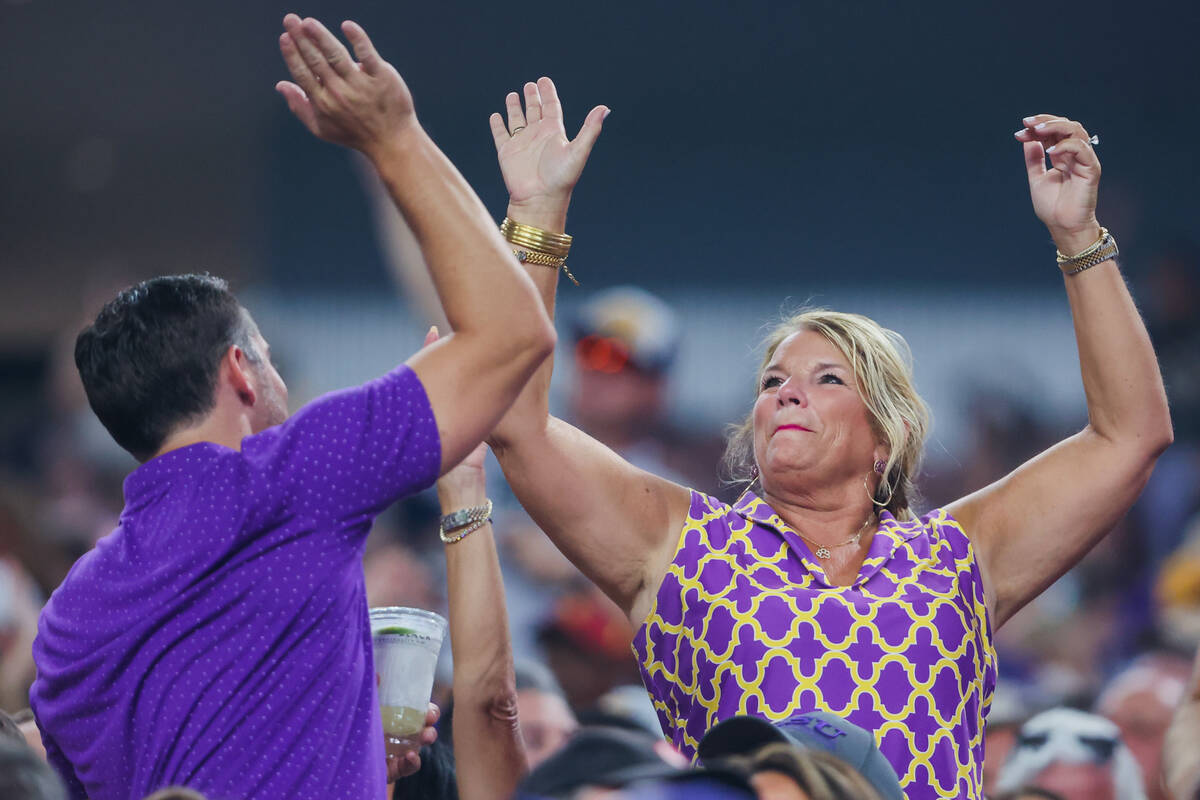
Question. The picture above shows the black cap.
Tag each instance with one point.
(815, 730)
(597, 757)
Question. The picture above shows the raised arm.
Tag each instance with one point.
(486, 735)
(1036, 523)
(501, 332)
(617, 523)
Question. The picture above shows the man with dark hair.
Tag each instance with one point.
(150, 361)
(219, 637)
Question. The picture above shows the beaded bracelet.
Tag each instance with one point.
(464, 521)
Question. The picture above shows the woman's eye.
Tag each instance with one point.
(829, 377)
(771, 381)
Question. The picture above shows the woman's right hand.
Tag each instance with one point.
(540, 166)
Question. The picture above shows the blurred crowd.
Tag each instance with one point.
(1114, 638)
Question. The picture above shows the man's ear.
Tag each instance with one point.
(240, 374)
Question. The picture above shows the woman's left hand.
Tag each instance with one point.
(1064, 196)
(540, 166)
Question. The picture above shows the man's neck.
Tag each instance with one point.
(225, 433)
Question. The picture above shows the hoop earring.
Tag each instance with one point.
(880, 503)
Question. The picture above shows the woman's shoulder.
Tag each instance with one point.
(944, 531)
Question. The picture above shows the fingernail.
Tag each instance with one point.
(1039, 126)
(1028, 120)
(1018, 133)
(1051, 148)
(607, 111)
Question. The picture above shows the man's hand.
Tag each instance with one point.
(540, 166)
(410, 762)
(359, 104)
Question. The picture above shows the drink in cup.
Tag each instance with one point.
(406, 644)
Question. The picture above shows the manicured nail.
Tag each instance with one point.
(1039, 126)
(607, 111)
(1028, 120)
(1051, 148)
(1018, 133)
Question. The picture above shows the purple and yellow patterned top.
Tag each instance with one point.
(746, 622)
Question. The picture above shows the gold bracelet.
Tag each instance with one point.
(527, 236)
(544, 260)
(1103, 249)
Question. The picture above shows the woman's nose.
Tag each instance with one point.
(790, 392)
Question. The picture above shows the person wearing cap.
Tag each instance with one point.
(821, 588)
(1078, 755)
(854, 758)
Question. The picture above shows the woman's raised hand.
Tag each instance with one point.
(359, 104)
(1064, 196)
(540, 166)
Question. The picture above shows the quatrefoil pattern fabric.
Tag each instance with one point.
(746, 622)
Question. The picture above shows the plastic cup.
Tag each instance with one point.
(406, 646)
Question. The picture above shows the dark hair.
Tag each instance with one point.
(25, 776)
(150, 360)
(822, 775)
(435, 780)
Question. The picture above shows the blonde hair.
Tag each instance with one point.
(821, 775)
(882, 367)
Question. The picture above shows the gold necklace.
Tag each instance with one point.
(822, 552)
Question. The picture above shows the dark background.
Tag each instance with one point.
(787, 145)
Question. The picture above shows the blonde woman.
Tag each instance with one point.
(819, 588)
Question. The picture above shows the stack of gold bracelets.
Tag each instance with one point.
(1103, 250)
(536, 246)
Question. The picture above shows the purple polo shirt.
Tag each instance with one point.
(219, 637)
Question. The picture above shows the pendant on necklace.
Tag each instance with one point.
(823, 552)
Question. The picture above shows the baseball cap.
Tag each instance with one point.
(814, 730)
(626, 327)
(597, 756)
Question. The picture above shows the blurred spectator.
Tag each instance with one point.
(600, 757)
(1181, 746)
(24, 776)
(1141, 700)
(847, 762)
(9, 730)
(176, 793)
(1173, 320)
(624, 707)
(587, 644)
(1028, 793)
(625, 343)
(1177, 592)
(1008, 713)
(19, 604)
(547, 721)
(29, 729)
(1078, 755)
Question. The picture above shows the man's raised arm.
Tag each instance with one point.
(501, 332)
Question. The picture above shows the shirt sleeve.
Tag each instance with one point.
(352, 453)
(62, 767)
